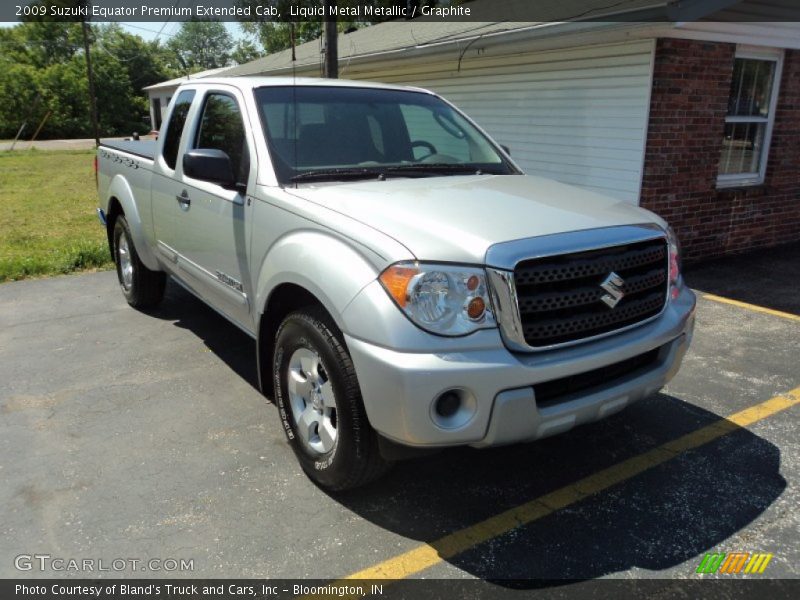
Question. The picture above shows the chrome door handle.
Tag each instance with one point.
(184, 200)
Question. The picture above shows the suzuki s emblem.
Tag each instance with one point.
(613, 287)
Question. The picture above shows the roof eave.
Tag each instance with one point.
(543, 30)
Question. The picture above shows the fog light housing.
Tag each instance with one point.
(448, 404)
(453, 408)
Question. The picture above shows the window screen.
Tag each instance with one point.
(748, 118)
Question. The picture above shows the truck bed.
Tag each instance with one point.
(142, 148)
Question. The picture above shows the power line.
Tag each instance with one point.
(102, 46)
(31, 43)
(159, 32)
(175, 27)
(176, 5)
(77, 46)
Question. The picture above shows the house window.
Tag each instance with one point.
(750, 117)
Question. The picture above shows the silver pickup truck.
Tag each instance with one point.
(407, 285)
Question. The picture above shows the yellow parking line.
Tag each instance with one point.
(427, 555)
(753, 307)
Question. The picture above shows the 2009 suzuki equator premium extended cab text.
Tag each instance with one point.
(408, 286)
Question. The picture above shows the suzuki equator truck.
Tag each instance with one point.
(407, 285)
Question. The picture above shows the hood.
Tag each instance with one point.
(458, 218)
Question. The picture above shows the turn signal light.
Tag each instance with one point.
(396, 279)
(476, 308)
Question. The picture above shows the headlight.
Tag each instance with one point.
(674, 249)
(443, 299)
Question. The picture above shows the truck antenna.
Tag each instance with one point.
(294, 96)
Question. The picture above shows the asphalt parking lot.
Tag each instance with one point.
(133, 435)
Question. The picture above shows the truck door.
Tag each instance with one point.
(201, 225)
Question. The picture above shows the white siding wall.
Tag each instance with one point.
(577, 115)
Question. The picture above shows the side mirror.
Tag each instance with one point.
(209, 164)
(506, 149)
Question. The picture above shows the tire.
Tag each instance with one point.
(141, 287)
(319, 403)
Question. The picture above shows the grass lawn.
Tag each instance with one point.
(48, 223)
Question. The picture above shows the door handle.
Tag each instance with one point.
(184, 200)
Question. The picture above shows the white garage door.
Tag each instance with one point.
(577, 115)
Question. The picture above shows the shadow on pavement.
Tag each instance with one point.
(655, 521)
(228, 342)
(764, 277)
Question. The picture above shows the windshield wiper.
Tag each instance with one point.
(426, 169)
(409, 170)
(337, 174)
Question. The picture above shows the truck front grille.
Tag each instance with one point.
(560, 298)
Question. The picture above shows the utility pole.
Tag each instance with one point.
(331, 65)
(90, 76)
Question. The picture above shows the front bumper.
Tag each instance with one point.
(400, 388)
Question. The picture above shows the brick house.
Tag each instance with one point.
(697, 120)
(727, 176)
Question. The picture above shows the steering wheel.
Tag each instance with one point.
(427, 145)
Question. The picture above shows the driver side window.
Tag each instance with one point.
(423, 127)
(221, 127)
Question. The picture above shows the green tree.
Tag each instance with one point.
(43, 43)
(64, 89)
(145, 62)
(52, 41)
(122, 106)
(275, 35)
(34, 80)
(201, 45)
(13, 49)
(245, 51)
(18, 92)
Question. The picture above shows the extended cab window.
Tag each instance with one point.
(172, 137)
(222, 128)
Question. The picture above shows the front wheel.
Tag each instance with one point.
(142, 287)
(319, 403)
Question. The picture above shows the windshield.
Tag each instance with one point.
(339, 133)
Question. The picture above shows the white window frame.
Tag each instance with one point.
(750, 179)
